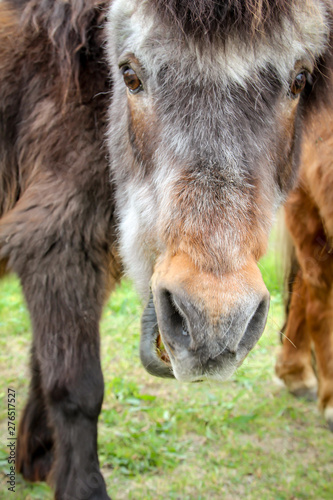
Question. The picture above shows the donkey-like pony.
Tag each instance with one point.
(158, 137)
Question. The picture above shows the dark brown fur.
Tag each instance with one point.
(57, 224)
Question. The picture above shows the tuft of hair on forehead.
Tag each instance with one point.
(210, 18)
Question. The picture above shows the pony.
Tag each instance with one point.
(308, 327)
(154, 138)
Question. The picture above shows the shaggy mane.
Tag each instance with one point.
(210, 18)
(72, 27)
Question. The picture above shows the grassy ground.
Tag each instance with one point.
(244, 439)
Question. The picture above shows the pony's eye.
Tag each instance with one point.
(298, 84)
(131, 79)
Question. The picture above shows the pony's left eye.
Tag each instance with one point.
(131, 79)
(299, 83)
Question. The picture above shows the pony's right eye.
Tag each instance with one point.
(299, 83)
(131, 79)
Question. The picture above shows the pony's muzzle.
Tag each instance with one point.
(198, 347)
(204, 325)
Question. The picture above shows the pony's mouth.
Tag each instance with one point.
(161, 350)
(153, 354)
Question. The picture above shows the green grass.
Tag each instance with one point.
(158, 439)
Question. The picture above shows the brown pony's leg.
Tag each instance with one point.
(35, 438)
(320, 324)
(294, 364)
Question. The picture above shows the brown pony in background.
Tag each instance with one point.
(309, 217)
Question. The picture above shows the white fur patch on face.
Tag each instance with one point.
(136, 220)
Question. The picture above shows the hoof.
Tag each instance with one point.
(98, 495)
(299, 380)
(328, 414)
(90, 486)
(307, 393)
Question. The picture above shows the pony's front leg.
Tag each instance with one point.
(320, 323)
(65, 311)
(59, 247)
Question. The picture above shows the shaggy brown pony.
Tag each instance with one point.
(309, 217)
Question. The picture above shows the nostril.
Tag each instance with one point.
(248, 327)
(178, 308)
(256, 325)
(173, 322)
(260, 315)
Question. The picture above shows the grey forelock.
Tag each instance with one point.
(139, 30)
(211, 19)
